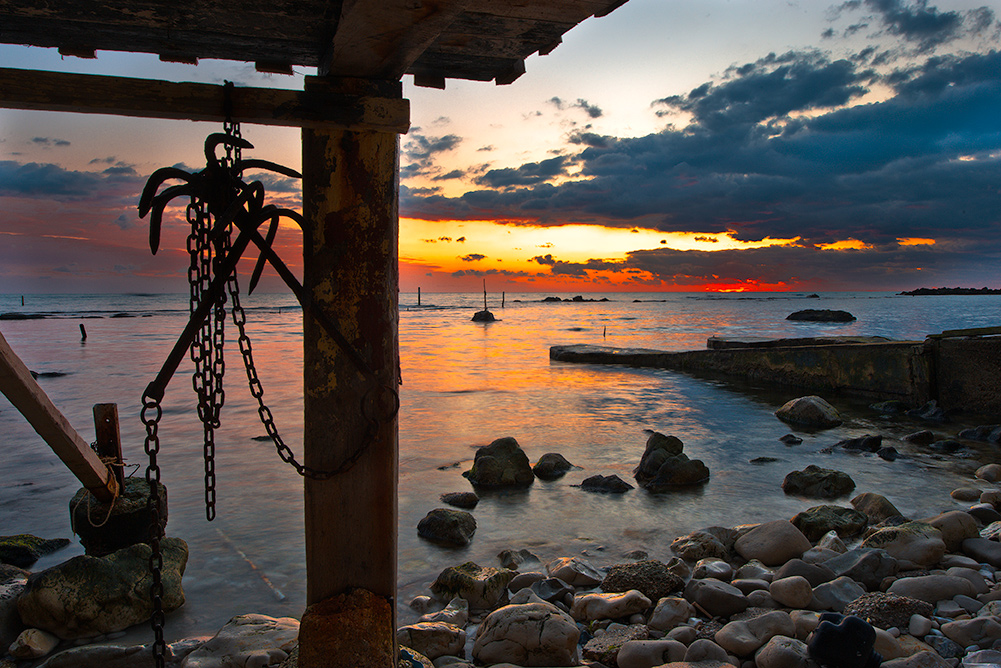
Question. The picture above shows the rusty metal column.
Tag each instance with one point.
(350, 249)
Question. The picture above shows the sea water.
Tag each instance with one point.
(464, 385)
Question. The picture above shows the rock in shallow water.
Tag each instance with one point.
(88, 596)
(445, 526)
(817, 482)
(24, 549)
(551, 466)
(501, 464)
(810, 411)
(482, 587)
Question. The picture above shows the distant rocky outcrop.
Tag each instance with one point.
(920, 292)
(821, 315)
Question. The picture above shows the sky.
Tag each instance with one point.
(673, 145)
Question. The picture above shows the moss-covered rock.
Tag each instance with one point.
(88, 596)
(484, 587)
(24, 549)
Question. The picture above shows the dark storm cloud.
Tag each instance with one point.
(52, 181)
(923, 163)
(526, 175)
(924, 26)
(890, 265)
(543, 259)
(473, 257)
(420, 151)
(773, 87)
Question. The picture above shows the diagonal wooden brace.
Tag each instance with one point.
(20, 387)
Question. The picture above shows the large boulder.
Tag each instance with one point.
(773, 543)
(444, 526)
(817, 482)
(654, 579)
(483, 587)
(664, 466)
(810, 411)
(531, 634)
(913, 544)
(247, 640)
(817, 521)
(501, 464)
(88, 596)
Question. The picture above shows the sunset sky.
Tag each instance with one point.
(672, 145)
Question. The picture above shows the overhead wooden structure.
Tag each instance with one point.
(481, 40)
(351, 115)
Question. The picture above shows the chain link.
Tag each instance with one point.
(151, 414)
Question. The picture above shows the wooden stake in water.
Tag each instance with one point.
(503, 295)
(83, 333)
(484, 294)
(418, 296)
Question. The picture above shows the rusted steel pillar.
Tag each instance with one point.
(350, 242)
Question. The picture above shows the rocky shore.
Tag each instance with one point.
(844, 584)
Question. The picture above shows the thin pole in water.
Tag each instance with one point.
(503, 295)
(83, 333)
(418, 296)
(22, 300)
(484, 294)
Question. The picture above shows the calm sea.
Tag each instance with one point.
(465, 384)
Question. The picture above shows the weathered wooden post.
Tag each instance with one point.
(350, 242)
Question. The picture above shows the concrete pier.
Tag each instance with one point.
(957, 369)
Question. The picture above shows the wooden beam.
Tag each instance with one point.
(109, 439)
(381, 40)
(350, 270)
(20, 387)
(122, 96)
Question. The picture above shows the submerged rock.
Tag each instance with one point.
(809, 411)
(465, 500)
(501, 464)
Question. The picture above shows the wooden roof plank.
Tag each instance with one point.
(95, 94)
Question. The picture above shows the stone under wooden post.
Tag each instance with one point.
(350, 249)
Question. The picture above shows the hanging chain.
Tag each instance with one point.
(207, 347)
(151, 414)
(268, 420)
